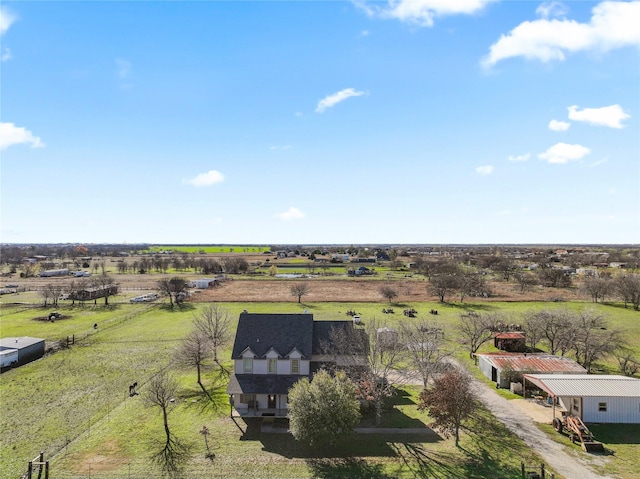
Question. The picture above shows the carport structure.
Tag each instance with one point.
(596, 398)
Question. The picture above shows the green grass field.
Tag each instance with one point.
(74, 404)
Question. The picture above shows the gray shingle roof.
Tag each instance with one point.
(282, 332)
(261, 383)
(323, 332)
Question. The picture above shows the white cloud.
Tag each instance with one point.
(552, 9)
(610, 116)
(484, 170)
(6, 19)
(564, 153)
(291, 214)
(6, 55)
(364, 33)
(275, 148)
(422, 12)
(15, 135)
(332, 100)
(123, 68)
(612, 25)
(556, 125)
(206, 179)
(520, 158)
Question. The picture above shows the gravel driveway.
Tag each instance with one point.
(523, 426)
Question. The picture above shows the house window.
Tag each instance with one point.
(248, 365)
(272, 365)
(602, 407)
(247, 398)
(295, 366)
(576, 404)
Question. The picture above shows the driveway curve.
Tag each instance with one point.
(523, 426)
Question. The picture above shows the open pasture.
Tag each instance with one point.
(74, 404)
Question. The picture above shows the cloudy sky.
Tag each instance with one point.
(422, 121)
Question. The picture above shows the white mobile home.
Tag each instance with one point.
(54, 272)
(594, 398)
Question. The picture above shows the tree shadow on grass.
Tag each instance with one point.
(428, 464)
(346, 468)
(353, 445)
(213, 400)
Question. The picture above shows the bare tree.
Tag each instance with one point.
(214, 324)
(385, 355)
(299, 290)
(193, 352)
(593, 339)
(628, 364)
(628, 288)
(526, 281)
(161, 393)
(172, 287)
(476, 329)
(388, 293)
(443, 284)
(450, 402)
(108, 286)
(424, 342)
(597, 287)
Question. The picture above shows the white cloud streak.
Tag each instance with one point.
(15, 135)
(6, 55)
(520, 158)
(123, 68)
(291, 214)
(484, 170)
(6, 19)
(611, 116)
(332, 100)
(552, 9)
(209, 178)
(422, 12)
(557, 125)
(562, 153)
(612, 25)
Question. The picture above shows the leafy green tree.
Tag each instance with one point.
(322, 410)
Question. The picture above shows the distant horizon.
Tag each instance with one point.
(324, 244)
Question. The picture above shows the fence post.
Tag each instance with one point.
(542, 470)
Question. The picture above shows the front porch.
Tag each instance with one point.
(260, 412)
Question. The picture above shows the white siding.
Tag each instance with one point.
(620, 410)
(484, 366)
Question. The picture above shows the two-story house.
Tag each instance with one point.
(271, 352)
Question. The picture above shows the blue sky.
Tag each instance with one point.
(299, 122)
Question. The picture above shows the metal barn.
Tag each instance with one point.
(29, 349)
(594, 398)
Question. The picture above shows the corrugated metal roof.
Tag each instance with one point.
(534, 363)
(587, 385)
(19, 343)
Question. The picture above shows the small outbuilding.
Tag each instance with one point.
(511, 341)
(19, 351)
(204, 283)
(594, 398)
(504, 368)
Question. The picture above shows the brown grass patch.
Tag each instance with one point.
(108, 459)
